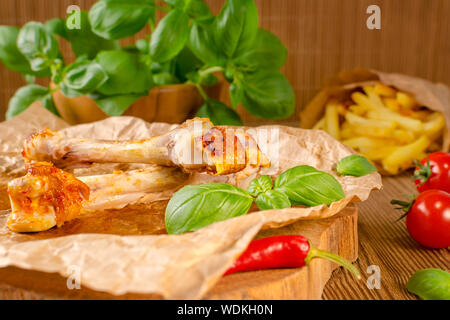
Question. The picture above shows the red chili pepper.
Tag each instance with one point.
(286, 251)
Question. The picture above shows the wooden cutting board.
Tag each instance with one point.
(337, 234)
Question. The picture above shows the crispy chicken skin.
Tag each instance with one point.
(44, 197)
(47, 196)
(195, 145)
(231, 151)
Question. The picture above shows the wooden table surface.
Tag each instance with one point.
(385, 243)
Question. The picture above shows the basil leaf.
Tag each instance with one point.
(56, 26)
(116, 105)
(82, 77)
(430, 284)
(117, 19)
(195, 9)
(10, 55)
(49, 104)
(268, 94)
(38, 45)
(308, 186)
(84, 41)
(236, 26)
(206, 80)
(142, 46)
(127, 73)
(186, 62)
(196, 206)
(164, 78)
(260, 185)
(219, 113)
(267, 52)
(157, 67)
(24, 97)
(202, 43)
(170, 36)
(236, 94)
(209, 80)
(354, 165)
(29, 78)
(272, 199)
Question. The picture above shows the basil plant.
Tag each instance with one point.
(188, 45)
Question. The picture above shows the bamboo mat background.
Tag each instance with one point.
(323, 37)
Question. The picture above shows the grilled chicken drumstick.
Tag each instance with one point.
(195, 145)
(47, 196)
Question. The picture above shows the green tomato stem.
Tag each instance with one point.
(317, 253)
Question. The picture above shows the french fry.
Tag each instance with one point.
(379, 153)
(332, 120)
(434, 125)
(384, 90)
(362, 100)
(320, 125)
(365, 143)
(404, 122)
(403, 156)
(356, 120)
(346, 131)
(342, 110)
(419, 114)
(392, 104)
(373, 131)
(403, 136)
(384, 125)
(374, 98)
(358, 109)
(406, 100)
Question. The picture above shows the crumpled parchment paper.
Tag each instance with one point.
(142, 260)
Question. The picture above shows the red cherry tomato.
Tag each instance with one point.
(436, 174)
(428, 219)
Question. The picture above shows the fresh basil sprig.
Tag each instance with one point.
(260, 185)
(189, 44)
(83, 40)
(194, 207)
(430, 284)
(305, 185)
(38, 45)
(354, 165)
(11, 56)
(82, 77)
(197, 10)
(170, 36)
(117, 19)
(236, 26)
(28, 94)
(127, 73)
(272, 199)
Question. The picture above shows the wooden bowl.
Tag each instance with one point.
(171, 103)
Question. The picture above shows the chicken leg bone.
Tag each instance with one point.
(47, 196)
(195, 145)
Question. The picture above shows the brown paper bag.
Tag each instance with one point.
(435, 96)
